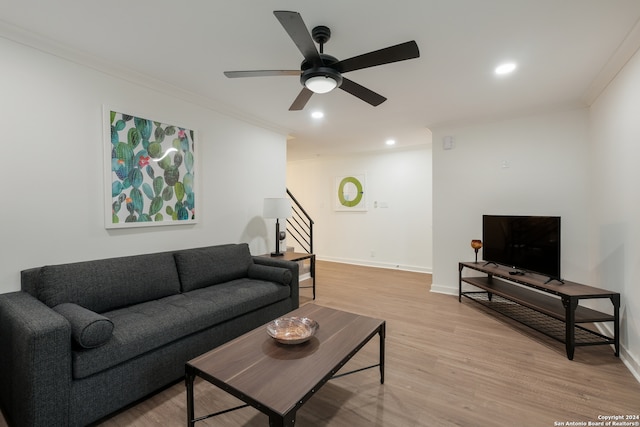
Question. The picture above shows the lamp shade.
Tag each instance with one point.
(276, 208)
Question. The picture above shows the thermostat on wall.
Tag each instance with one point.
(447, 143)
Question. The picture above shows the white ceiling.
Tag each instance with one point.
(566, 51)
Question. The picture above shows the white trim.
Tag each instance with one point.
(614, 65)
(412, 268)
(43, 44)
(627, 358)
(446, 290)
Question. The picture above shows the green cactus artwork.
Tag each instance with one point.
(152, 172)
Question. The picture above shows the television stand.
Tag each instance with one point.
(522, 273)
(551, 308)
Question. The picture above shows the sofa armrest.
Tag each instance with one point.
(35, 362)
(295, 274)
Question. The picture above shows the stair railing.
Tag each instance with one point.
(300, 225)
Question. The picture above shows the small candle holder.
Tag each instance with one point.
(476, 244)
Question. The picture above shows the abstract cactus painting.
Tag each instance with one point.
(152, 173)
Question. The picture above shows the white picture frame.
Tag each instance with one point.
(350, 193)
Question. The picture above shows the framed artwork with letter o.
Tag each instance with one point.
(150, 172)
(349, 193)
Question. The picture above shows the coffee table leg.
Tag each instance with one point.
(287, 420)
(382, 334)
(189, 377)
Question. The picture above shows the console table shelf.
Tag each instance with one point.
(549, 307)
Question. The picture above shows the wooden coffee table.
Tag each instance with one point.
(277, 379)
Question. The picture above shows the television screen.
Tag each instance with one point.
(525, 243)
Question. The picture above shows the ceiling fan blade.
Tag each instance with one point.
(367, 95)
(261, 73)
(399, 52)
(301, 100)
(297, 30)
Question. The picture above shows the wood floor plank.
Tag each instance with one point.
(447, 364)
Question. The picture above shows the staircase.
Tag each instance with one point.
(300, 228)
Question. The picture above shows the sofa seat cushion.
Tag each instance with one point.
(144, 327)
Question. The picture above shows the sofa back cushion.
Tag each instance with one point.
(201, 267)
(108, 284)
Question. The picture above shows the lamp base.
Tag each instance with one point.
(277, 251)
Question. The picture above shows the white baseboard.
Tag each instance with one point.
(304, 276)
(365, 263)
(630, 362)
(441, 289)
(627, 358)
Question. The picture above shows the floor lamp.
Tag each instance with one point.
(277, 208)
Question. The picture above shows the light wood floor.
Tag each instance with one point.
(447, 364)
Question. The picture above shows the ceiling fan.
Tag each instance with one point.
(321, 73)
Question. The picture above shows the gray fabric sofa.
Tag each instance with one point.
(82, 340)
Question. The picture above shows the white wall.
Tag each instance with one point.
(52, 208)
(615, 177)
(399, 236)
(581, 165)
(546, 174)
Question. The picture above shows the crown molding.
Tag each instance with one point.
(625, 51)
(43, 44)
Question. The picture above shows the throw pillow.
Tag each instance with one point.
(272, 274)
(88, 329)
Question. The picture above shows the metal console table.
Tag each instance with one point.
(558, 304)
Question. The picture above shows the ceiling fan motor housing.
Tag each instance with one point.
(324, 70)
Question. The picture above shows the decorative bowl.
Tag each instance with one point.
(292, 330)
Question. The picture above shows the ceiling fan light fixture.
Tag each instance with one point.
(321, 79)
(321, 84)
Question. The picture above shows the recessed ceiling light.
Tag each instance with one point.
(317, 114)
(505, 68)
(390, 142)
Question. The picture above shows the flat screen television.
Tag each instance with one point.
(524, 243)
